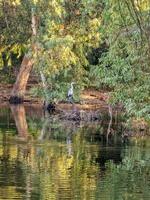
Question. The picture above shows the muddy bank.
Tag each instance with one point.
(90, 99)
(5, 91)
(92, 107)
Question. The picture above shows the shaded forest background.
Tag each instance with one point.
(101, 44)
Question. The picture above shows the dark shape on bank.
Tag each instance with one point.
(16, 100)
(50, 107)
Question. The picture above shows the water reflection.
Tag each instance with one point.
(68, 160)
(19, 115)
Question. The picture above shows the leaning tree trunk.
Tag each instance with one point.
(19, 88)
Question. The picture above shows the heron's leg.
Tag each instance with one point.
(68, 99)
(72, 100)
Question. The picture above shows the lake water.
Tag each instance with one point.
(44, 158)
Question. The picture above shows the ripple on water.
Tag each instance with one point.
(68, 163)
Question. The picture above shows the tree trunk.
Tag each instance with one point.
(19, 88)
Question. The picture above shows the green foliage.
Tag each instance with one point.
(66, 38)
(15, 32)
(59, 83)
(125, 67)
(66, 32)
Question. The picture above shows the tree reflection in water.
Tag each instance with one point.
(68, 160)
(19, 115)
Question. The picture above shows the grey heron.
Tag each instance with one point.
(70, 93)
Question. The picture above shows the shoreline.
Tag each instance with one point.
(90, 99)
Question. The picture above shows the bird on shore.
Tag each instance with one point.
(70, 93)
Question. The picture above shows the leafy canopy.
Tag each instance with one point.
(125, 66)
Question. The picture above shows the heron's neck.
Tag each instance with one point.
(72, 85)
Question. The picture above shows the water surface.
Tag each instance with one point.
(45, 158)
